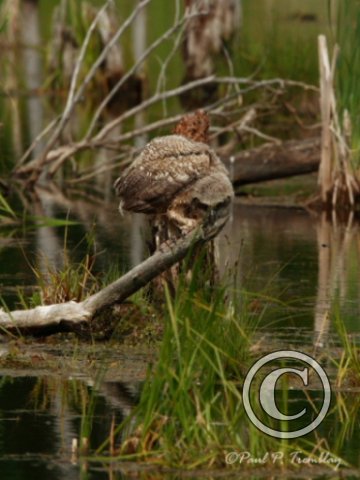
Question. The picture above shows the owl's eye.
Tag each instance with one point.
(196, 203)
(224, 204)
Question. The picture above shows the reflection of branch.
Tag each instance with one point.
(69, 316)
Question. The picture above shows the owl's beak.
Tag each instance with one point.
(121, 210)
(219, 214)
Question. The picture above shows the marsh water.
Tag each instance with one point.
(304, 268)
(301, 268)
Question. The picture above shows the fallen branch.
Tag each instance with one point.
(70, 316)
(271, 161)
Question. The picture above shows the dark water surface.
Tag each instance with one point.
(301, 266)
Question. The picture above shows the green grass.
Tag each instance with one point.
(348, 365)
(347, 34)
(190, 413)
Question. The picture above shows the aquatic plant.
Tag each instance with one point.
(348, 364)
(190, 413)
(71, 281)
(347, 34)
(6, 211)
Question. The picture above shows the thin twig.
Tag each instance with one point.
(179, 91)
(74, 97)
(61, 154)
(146, 104)
(262, 135)
(142, 4)
(39, 137)
(70, 104)
(128, 74)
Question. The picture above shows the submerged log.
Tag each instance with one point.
(70, 316)
(273, 161)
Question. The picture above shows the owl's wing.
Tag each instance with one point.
(154, 178)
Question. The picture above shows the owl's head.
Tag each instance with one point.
(213, 190)
(211, 198)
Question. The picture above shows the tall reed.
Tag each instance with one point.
(346, 34)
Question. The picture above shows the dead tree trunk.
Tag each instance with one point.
(339, 184)
(207, 35)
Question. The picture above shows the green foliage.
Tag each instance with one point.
(348, 366)
(278, 39)
(72, 281)
(6, 212)
(347, 36)
(190, 412)
(189, 407)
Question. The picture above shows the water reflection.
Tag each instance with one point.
(338, 263)
(41, 417)
(310, 263)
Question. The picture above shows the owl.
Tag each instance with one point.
(177, 177)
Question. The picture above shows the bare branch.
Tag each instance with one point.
(60, 155)
(70, 103)
(69, 316)
(129, 73)
(73, 96)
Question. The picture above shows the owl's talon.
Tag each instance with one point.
(166, 245)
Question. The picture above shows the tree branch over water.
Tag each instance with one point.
(70, 316)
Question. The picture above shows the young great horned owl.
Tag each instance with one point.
(178, 177)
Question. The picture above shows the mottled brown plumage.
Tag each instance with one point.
(176, 176)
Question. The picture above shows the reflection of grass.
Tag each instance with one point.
(189, 411)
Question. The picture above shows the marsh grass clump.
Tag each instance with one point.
(190, 412)
(348, 365)
(73, 282)
(347, 34)
(65, 279)
(189, 407)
